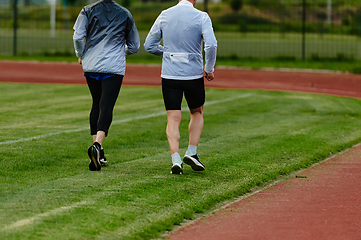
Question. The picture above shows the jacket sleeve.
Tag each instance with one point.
(152, 42)
(80, 29)
(132, 41)
(210, 44)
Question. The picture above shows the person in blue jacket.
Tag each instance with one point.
(104, 33)
(183, 29)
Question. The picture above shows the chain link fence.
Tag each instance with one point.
(280, 29)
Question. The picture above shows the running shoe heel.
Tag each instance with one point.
(194, 162)
(93, 153)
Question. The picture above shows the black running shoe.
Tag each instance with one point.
(92, 166)
(194, 162)
(93, 152)
(177, 169)
(102, 158)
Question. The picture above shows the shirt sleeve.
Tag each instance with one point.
(210, 44)
(132, 38)
(80, 29)
(152, 42)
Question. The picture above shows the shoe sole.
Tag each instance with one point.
(95, 164)
(176, 169)
(103, 162)
(194, 163)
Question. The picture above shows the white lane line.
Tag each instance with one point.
(39, 217)
(42, 136)
(208, 103)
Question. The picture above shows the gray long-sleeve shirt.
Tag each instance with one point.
(183, 29)
(104, 33)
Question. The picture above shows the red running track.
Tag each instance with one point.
(71, 73)
(323, 204)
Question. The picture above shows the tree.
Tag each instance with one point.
(236, 5)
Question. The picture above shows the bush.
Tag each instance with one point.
(284, 58)
(340, 57)
(236, 5)
(356, 70)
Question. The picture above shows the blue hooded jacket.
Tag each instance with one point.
(104, 33)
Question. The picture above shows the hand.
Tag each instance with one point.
(80, 61)
(209, 76)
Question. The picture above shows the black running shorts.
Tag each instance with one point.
(173, 93)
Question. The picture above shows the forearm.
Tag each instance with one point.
(79, 46)
(152, 45)
(132, 42)
(131, 49)
(157, 50)
(210, 58)
(80, 29)
(210, 44)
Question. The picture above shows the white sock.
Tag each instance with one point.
(176, 158)
(192, 150)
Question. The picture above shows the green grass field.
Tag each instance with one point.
(250, 138)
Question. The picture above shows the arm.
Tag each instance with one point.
(152, 42)
(132, 38)
(80, 29)
(210, 47)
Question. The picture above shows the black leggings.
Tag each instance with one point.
(104, 94)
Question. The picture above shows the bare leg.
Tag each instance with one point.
(174, 119)
(195, 125)
(195, 130)
(99, 137)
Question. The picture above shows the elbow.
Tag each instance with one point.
(153, 49)
(148, 48)
(135, 50)
(132, 50)
(211, 48)
(213, 45)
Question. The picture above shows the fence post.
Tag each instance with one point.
(66, 15)
(329, 12)
(15, 27)
(52, 17)
(205, 5)
(303, 29)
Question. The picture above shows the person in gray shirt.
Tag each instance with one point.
(104, 33)
(183, 29)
